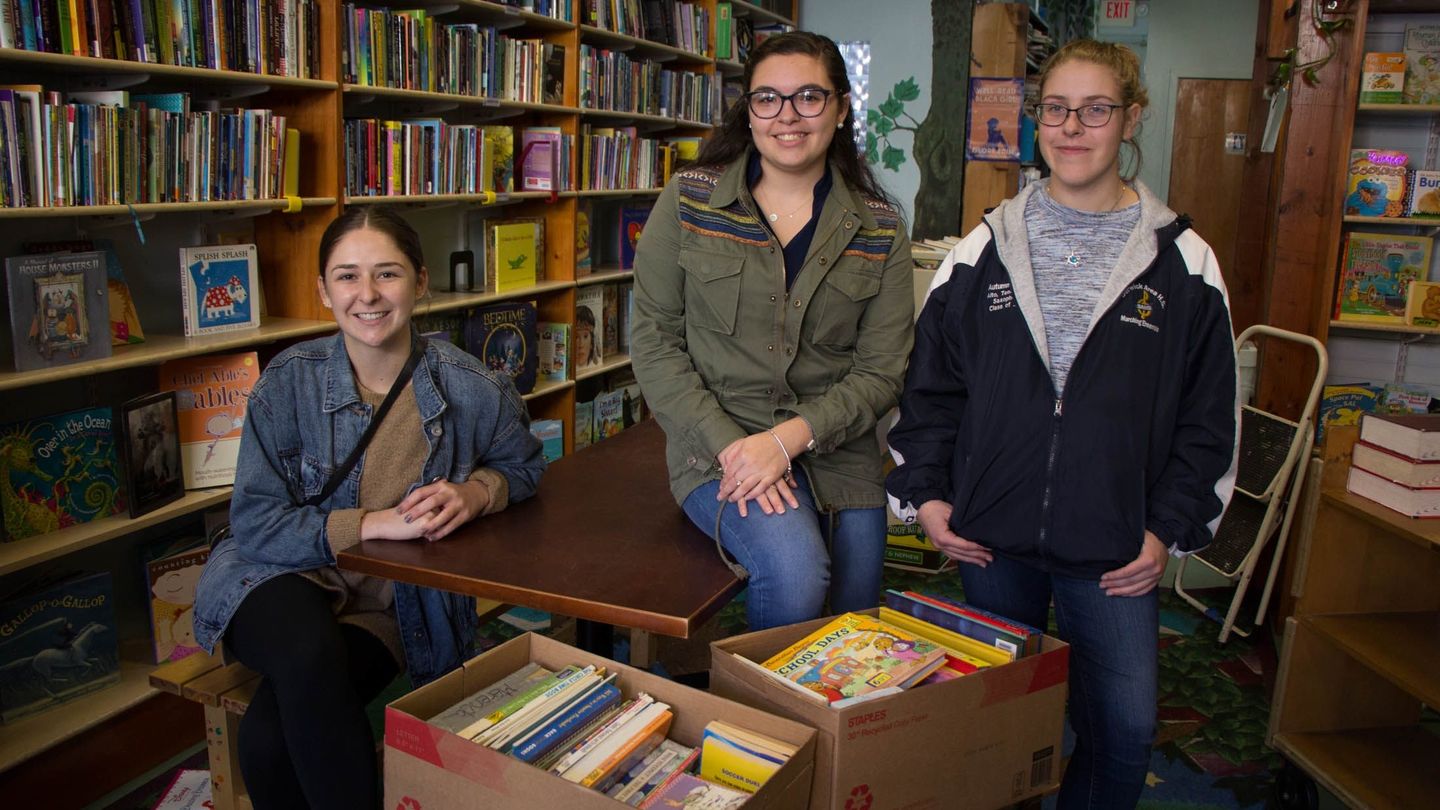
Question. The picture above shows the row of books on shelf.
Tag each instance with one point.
(563, 10)
(276, 37)
(616, 405)
(412, 50)
(615, 158)
(1409, 76)
(112, 147)
(576, 723)
(670, 22)
(74, 467)
(1382, 280)
(612, 80)
(1396, 462)
(431, 156)
(69, 302)
(1380, 183)
(915, 639)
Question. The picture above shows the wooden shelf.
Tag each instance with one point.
(1389, 767)
(1414, 222)
(485, 198)
(1403, 647)
(499, 13)
(1383, 328)
(1424, 533)
(744, 9)
(37, 733)
(356, 91)
(611, 364)
(664, 120)
(1404, 6)
(159, 348)
(543, 388)
(618, 192)
(447, 301)
(650, 49)
(64, 63)
(602, 275)
(19, 554)
(729, 67)
(259, 206)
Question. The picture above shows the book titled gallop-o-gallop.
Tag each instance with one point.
(220, 287)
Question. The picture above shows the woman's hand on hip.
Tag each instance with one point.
(444, 506)
(934, 517)
(1142, 574)
(750, 467)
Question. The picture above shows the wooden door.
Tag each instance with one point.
(1206, 179)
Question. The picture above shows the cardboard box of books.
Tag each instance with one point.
(428, 766)
(987, 739)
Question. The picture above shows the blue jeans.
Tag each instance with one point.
(1114, 671)
(790, 569)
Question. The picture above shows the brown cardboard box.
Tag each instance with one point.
(985, 740)
(427, 768)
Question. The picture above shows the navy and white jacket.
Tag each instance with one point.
(1144, 437)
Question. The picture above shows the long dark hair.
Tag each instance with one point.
(377, 218)
(733, 137)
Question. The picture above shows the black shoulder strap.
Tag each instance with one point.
(354, 457)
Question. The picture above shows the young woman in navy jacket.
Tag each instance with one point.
(1069, 414)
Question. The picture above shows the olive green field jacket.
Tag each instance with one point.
(721, 351)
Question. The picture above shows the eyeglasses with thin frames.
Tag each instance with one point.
(1090, 115)
(808, 103)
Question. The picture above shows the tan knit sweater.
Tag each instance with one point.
(359, 599)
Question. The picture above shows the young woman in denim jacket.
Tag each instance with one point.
(455, 445)
(773, 309)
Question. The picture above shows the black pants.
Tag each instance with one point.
(305, 741)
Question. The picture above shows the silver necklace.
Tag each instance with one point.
(776, 217)
(1074, 257)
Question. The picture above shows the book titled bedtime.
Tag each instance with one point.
(219, 286)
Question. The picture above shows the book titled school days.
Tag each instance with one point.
(219, 287)
(59, 309)
(211, 393)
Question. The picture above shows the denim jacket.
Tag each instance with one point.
(303, 417)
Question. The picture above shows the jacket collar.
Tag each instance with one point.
(731, 187)
(341, 390)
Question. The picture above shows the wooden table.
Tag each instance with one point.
(602, 540)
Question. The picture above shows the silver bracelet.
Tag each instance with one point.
(788, 471)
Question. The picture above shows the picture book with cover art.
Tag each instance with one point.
(57, 642)
(853, 655)
(1376, 273)
(514, 253)
(503, 336)
(554, 351)
(171, 570)
(210, 393)
(632, 221)
(124, 321)
(59, 471)
(59, 309)
(219, 286)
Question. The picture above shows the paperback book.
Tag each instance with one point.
(1376, 273)
(220, 286)
(59, 309)
(124, 321)
(59, 642)
(59, 471)
(632, 222)
(211, 392)
(514, 254)
(589, 334)
(853, 655)
(1377, 183)
(554, 351)
(503, 336)
(498, 158)
(170, 577)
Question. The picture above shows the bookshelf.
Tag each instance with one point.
(287, 234)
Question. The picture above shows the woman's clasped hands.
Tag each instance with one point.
(432, 511)
(756, 468)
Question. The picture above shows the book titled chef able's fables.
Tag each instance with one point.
(211, 393)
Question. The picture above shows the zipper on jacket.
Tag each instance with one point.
(1050, 479)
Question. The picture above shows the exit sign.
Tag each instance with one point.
(1118, 13)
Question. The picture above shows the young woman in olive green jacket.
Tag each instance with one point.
(773, 312)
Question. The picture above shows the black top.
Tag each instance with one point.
(799, 245)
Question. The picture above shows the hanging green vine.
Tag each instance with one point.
(1289, 64)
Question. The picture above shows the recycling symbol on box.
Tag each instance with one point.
(860, 798)
(408, 803)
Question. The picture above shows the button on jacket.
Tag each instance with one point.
(1144, 436)
(722, 351)
(303, 417)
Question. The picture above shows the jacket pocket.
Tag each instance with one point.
(842, 301)
(712, 289)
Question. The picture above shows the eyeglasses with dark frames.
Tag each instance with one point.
(1090, 115)
(808, 103)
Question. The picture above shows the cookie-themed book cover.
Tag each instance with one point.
(57, 642)
(59, 471)
(59, 309)
(1377, 183)
(210, 394)
(220, 287)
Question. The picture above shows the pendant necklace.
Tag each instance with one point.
(1073, 258)
(776, 217)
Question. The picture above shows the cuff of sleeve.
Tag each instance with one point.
(823, 443)
(496, 485)
(342, 528)
(713, 434)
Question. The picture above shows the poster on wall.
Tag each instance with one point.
(994, 132)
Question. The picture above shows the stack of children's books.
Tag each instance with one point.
(576, 723)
